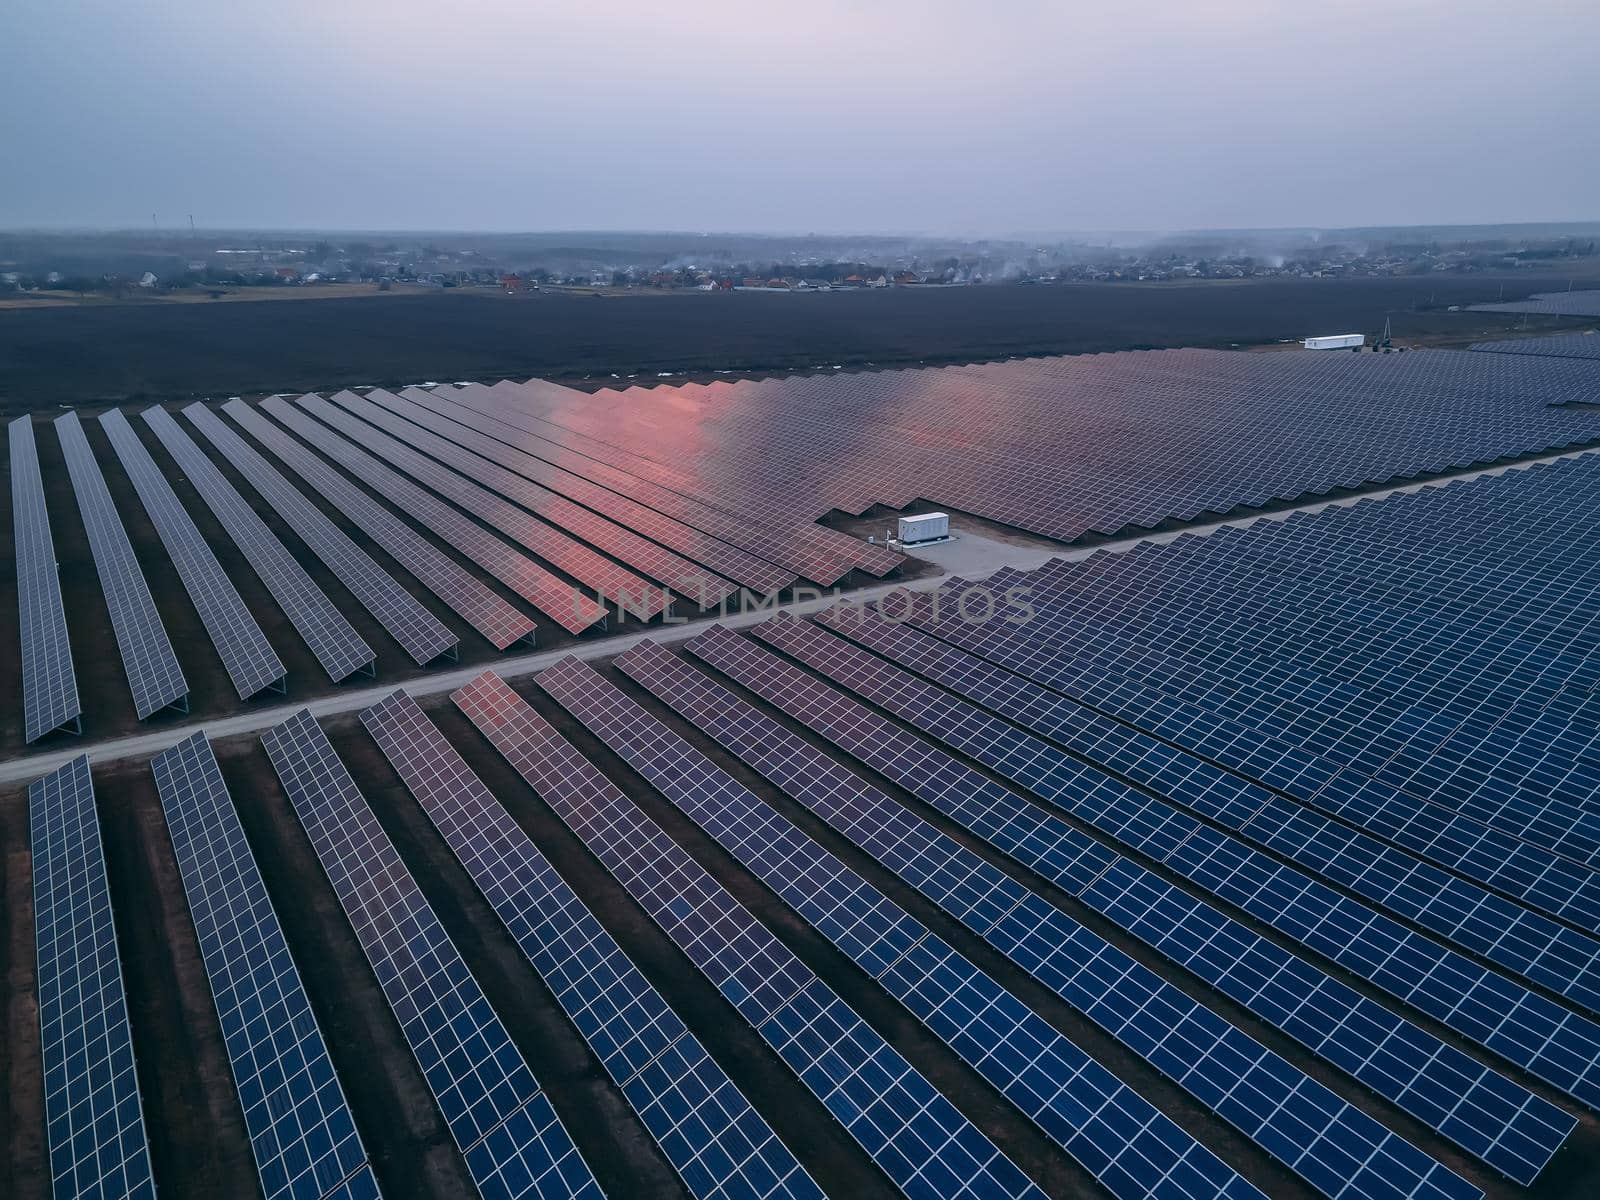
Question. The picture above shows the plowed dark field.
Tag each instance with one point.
(154, 351)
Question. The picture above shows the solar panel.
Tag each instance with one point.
(508, 472)
(1570, 345)
(608, 580)
(796, 549)
(49, 688)
(1524, 943)
(1308, 776)
(1075, 1100)
(1523, 1027)
(1461, 843)
(154, 676)
(563, 602)
(93, 1119)
(1563, 304)
(559, 412)
(301, 1132)
(910, 1130)
(248, 657)
(336, 644)
(1064, 447)
(518, 450)
(422, 635)
(544, 590)
(498, 621)
(719, 1144)
(513, 1142)
(1486, 1114)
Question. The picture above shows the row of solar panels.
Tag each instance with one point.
(1565, 345)
(1094, 443)
(494, 1106)
(1568, 304)
(603, 548)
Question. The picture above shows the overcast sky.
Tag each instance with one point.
(940, 116)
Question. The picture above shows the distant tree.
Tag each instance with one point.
(322, 251)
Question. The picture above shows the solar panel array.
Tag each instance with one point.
(475, 601)
(1090, 444)
(512, 474)
(719, 1145)
(1470, 848)
(422, 635)
(1490, 727)
(502, 1121)
(1565, 345)
(1521, 1025)
(247, 656)
(1387, 1055)
(482, 493)
(301, 1130)
(154, 676)
(49, 687)
(1300, 818)
(521, 451)
(1561, 304)
(360, 449)
(1483, 1112)
(910, 1130)
(336, 644)
(817, 554)
(93, 1117)
(1078, 1102)
(643, 494)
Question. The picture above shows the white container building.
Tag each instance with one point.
(929, 527)
(1336, 341)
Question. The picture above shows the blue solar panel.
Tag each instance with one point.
(823, 555)
(1486, 1113)
(1512, 843)
(719, 1144)
(1528, 1030)
(474, 600)
(518, 450)
(1539, 878)
(301, 1130)
(1071, 446)
(93, 1120)
(513, 1143)
(1563, 345)
(49, 687)
(338, 647)
(919, 1139)
(154, 676)
(1568, 303)
(387, 437)
(1436, 642)
(248, 657)
(513, 475)
(419, 633)
(1075, 1100)
(354, 447)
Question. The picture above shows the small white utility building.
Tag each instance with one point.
(928, 527)
(1336, 341)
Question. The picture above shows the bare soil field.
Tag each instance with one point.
(219, 294)
(95, 354)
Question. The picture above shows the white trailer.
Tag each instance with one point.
(929, 527)
(1336, 341)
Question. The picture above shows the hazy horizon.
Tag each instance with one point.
(942, 118)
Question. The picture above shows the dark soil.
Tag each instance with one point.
(112, 353)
